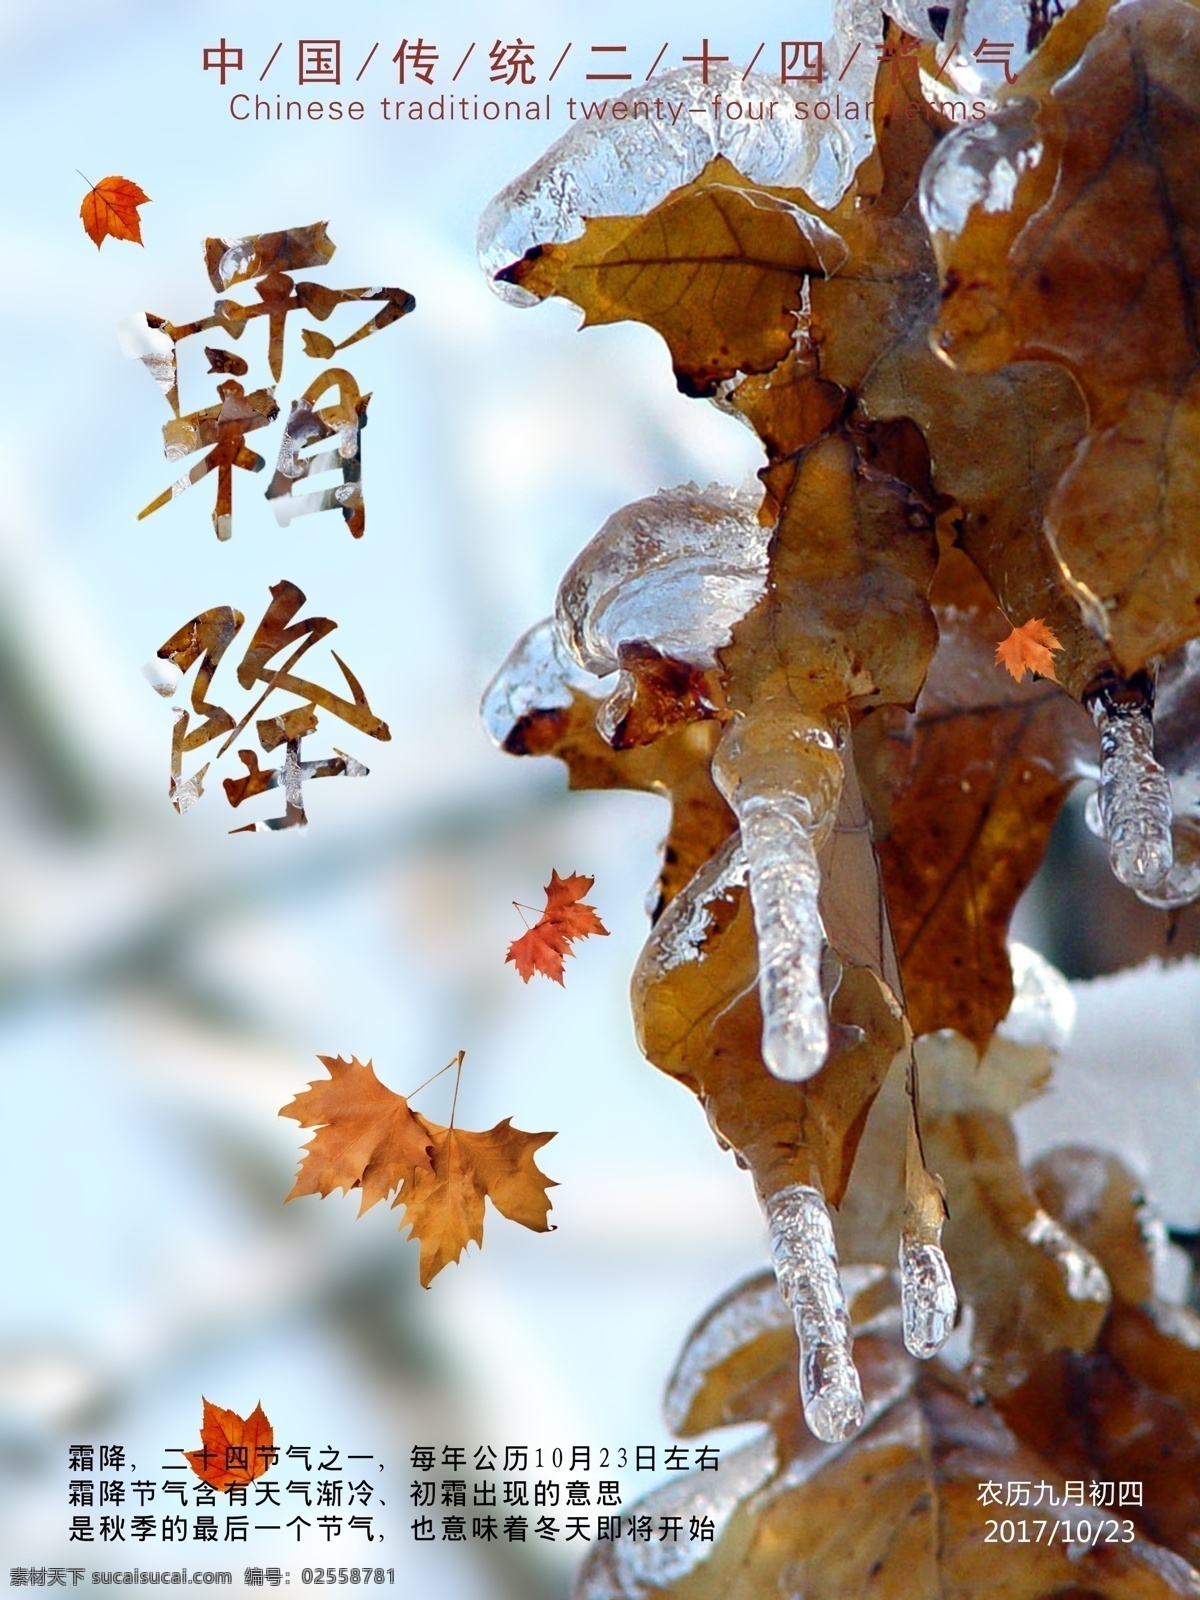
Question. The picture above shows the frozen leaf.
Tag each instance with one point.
(625, 162)
(110, 211)
(1028, 648)
(1032, 1286)
(1127, 1412)
(233, 1450)
(368, 1137)
(444, 1203)
(895, 1512)
(718, 270)
(541, 703)
(696, 1008)
(963, 795)
(1053, 275)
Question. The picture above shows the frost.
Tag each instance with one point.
(805, 1260)
(1085, 1277)
(1042, 1013)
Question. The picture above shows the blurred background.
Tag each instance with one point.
(165, 988)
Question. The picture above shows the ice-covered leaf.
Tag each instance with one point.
(963, 795)
(718, 269)
(1092, 258)
(894, 1513)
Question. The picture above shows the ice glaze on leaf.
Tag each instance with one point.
(368, 1137)
(1095, 263)
(893, 1514)
(444, 1203)
(963, 794)
(718, 270)
(110, 211)
(233, 1450)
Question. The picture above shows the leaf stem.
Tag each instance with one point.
(457, 1081)
(457, 1061)
(87, 180)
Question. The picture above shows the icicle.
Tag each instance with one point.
(1134, 798)
(782, 823)
(928, 1299)
(805, 1259)
(785, 883)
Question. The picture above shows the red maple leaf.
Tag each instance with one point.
(110, 210)
(566, 917)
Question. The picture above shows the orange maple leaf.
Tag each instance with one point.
(111, 209)
(368, 1138)
(444, 1206)
(566, 917)
(233, 1450)
(1028, 648)
(371, 1139)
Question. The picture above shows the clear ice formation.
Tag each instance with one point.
(624, 168)
(779, 842)
(928, 1298)
(1177, 744)
(978, 164)
(537, 675)
(1133, 802)
(676, 570)
(785, 806)
(605, 167)
(805, 1260)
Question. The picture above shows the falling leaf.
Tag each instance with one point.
(566, 918)
(110, 210)
(233, 1450)
(444, 1203)
(1028, 649)
(368, 1138)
